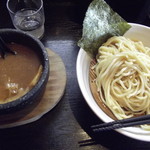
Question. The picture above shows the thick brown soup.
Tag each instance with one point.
(17, 72)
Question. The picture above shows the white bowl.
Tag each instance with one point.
(139, 32)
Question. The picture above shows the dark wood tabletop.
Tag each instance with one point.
(67, 126)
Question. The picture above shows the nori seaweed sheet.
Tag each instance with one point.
(100, 23)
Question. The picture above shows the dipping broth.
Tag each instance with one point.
(18, 73)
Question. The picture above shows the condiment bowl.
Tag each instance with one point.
(33, 96)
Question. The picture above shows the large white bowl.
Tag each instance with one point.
(139, 32)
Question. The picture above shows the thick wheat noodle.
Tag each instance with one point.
(123, 77)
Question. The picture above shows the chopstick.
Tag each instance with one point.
(5, 49)
(121, 123)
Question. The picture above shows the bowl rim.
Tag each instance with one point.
(30, 93)
(82, 55)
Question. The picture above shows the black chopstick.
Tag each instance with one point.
(5, 49)
(122, 123)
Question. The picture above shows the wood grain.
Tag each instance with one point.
(53, 93)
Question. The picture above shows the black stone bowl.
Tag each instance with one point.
(31, 98)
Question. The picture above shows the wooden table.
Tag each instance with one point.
(67, 126)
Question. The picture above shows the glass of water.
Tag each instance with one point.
(28, 16)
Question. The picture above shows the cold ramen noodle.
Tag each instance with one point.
(123, 77)
(18, 73)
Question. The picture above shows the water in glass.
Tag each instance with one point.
(33, 24)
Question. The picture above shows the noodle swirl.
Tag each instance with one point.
(123, 77)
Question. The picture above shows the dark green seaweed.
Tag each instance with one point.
(100, 23)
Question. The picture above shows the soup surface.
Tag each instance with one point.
(17, 72)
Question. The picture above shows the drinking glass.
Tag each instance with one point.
(28, 16)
